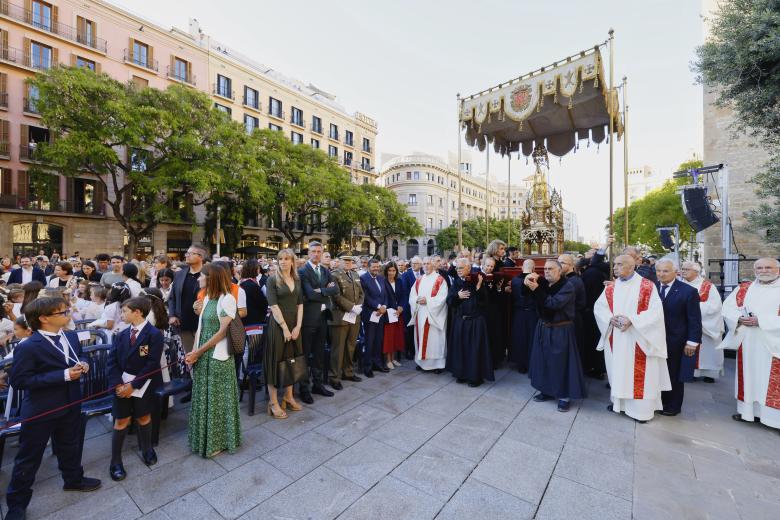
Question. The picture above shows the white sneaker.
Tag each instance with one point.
(390, 365)
(396, 363)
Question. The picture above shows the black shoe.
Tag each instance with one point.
(336, 385)
(86, 484)
(16, 513)
(354, 379)
(737, 417)
(306, 397)
(540, 397)
(380, 369)
(418, 367)
(708, 379)
(369, 374)
(149, 457)
(609, 408)
(608, 387)
(460, 381)
(117, 472)
(187, 398)
(321, 390)
(640, 422)
(438, 371)
(563, 406)
(669, 414)
(474, 384)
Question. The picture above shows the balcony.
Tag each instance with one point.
(3, 99)
(411, 203)
(30, 107)
(138, 61)
(253, 104)
(58, 206)
(367, 148)
(174, 76)
(278, 114)
(20, 14)
(5, 149)
(223, 92)
(317, 129)
(349, 142)
(29, 153)
(366, 167)
(333, 136)
(299, 123)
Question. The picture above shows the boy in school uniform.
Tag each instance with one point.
(47, 367)
(134, 368)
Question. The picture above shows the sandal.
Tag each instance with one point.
(281, 415)
(294, 406)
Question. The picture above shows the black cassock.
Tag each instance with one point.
(468, 354)
(593, 279)
(495, 317)
(555, 362)
(524, 318)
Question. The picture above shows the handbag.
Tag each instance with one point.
(236, 336)
(292, 370)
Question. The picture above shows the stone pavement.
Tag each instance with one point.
(409, 445)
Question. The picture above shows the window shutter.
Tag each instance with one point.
(6, 182)
(55, 57)
(93, 43)
(4, 43)
(150, 57)
(172, 69)
(4, 131)
(81, 29)
(189, 73)
(54, 17)
(27, 50)
(100, 197)
(130, 48)
(28, 11)
(3, 82)
(24, 137)
(97, 68)
(73, 59)
(21, 186)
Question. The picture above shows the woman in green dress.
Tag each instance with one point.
(285, 298)
(214, 423)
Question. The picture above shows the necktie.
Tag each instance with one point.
(377, 284)
(133, 334)
(317, 271)
(664, 288)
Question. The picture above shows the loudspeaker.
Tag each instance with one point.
(697, 208)
(667, 238)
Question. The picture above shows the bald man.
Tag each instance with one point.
(752, 313)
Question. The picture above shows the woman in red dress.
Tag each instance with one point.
(394, 332)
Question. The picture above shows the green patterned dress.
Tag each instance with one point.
(214, 423)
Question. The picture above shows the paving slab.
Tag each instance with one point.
(366, 462)
(350, 427)
(392, 499)
(434, 471)
(565, 499)
(612, 475)
(303, 454)
(480, 501)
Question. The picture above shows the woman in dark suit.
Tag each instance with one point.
(394, 332)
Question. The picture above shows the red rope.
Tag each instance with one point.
(82, 400)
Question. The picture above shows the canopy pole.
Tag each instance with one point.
(625, 160)
(460, 181)
(611, 111)
(487, 195)
(509, 196)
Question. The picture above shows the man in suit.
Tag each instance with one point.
(318, 287)
(682, 318)
(134, 366)
(27, 273)
(375, 302)
(184, 294)
(407, 280)
(344, 332)
(47, 367)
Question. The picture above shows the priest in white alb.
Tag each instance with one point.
(630, 317)
(752, 313)
(709, 360)
(428, 305)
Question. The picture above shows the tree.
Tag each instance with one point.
(741, 60)
(578, 247)
(382, 216)
(156, 153)
(475, 232)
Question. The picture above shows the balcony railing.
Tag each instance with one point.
(366, 167)
(255, 104)
(58, 206)
(186, 78)
(30, 107)
(367, 148)
(298, 122)
(411, 203)
(5, 149)
(29, 153)
(279, 114)
(3, 99)
(317, 129)
(333, 135)
(131, 58)
(23, 15)
(223, 92)
(349, 142)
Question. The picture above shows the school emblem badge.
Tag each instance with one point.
(143, 350)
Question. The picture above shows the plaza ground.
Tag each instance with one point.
(410, 445)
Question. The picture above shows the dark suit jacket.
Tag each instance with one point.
(124, 358)
(407, 280)
(313, 300)
(682, 315)
(39, 369)
(37, 275)
(374, 296)
(174, 298)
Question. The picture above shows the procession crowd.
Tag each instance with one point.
(325, 320)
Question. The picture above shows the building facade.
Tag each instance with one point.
(428, 187)
(55, 213)
(642, 181)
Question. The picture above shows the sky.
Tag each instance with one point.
(402, 62)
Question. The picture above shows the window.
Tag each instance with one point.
(224, 87)
(140, 82)
(365, 180)
(86, 33)
(251, 98)
(250, 123)
(41, 15)
(40, 56)
(430, 200)
(140, 54)
(348, 138)
(430, 223)
(334, 132)
(365, 164)
(296, 138)
(180, 69)
(84, 63)
(296, 116)
(347, 158)
(30, 102)
(223, 108)
(274, 127)
(315, 143)
(366, 144)
(441, 224)
(412, 199)
(417, 176)
(275, 108)
(332, 151)
(441, 202)
(316, 124)
(408, 176)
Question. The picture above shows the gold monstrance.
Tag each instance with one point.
(541, 228)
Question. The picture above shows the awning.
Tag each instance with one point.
(555, 106)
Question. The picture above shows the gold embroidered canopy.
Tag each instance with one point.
(555, 106)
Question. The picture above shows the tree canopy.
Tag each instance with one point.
(741, 61)
(475, 234)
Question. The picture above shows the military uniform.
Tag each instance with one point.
(344, 334)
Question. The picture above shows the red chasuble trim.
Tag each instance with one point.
(610, 293)
(704, 291)
(640, 358)
(773, 392)
(426, 329)
(740, 380)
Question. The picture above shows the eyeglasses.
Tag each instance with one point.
(193, 253)
(61, 313)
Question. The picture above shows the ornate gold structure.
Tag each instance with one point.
(541, 228)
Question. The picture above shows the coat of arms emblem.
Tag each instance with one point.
(521, 98)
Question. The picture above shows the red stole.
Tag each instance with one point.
(427, 326)
(741, 293)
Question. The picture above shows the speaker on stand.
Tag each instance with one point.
(697, 208)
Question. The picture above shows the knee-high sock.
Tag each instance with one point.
(117, 440)
(145, 437)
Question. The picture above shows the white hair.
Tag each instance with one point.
(693, 265)
(668, 259)
(427, 259)
(777, 262)
(415, 259)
